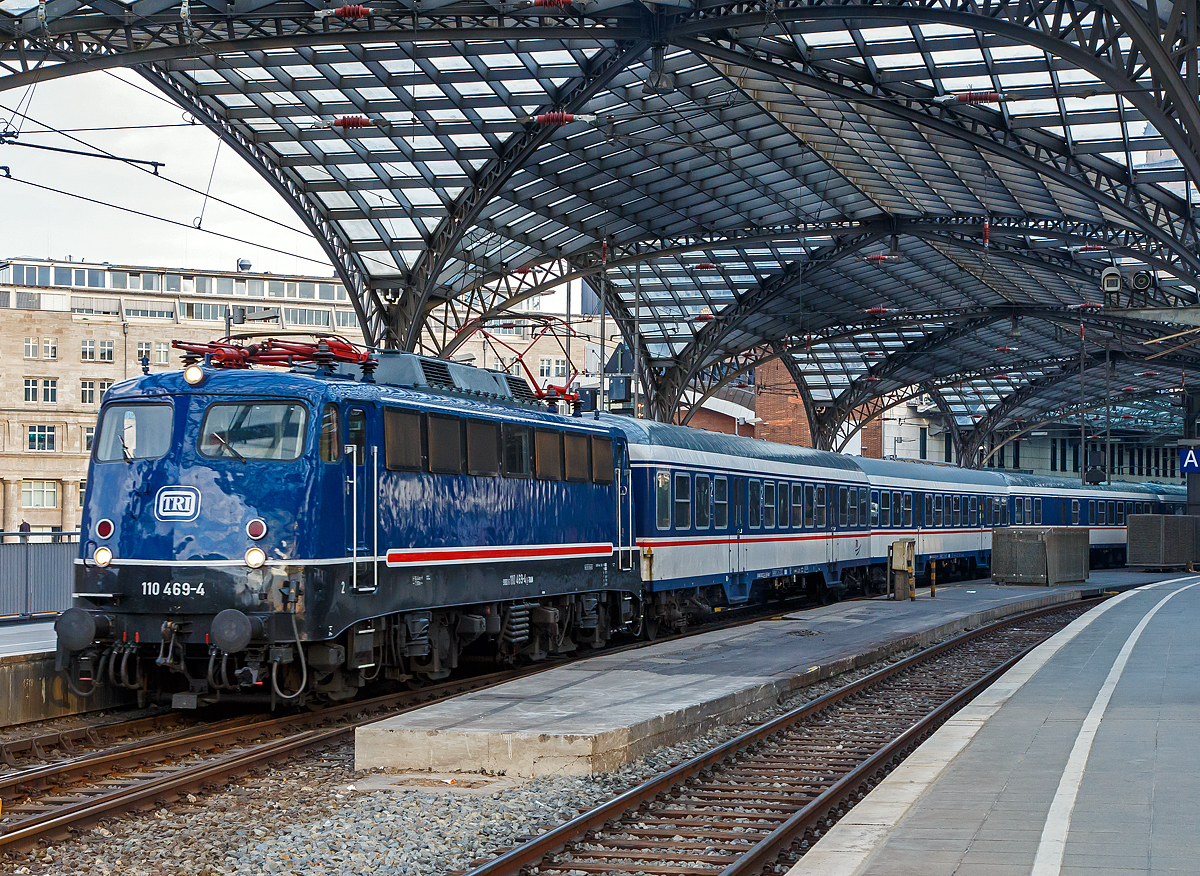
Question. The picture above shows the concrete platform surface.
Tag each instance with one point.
(27, 638)
(594, 715)
(1080, 760)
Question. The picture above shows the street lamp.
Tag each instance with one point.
(896, 439)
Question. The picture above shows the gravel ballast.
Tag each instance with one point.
(311, 816)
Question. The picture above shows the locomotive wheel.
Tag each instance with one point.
(650, 626)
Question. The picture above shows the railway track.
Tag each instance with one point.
(761, 799)
(75, 787)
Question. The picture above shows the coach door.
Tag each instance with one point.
(361, 459)
(737, 526)
(626, 542)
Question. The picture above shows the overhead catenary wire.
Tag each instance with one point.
(175, 222)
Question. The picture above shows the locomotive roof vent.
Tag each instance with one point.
(411, 370)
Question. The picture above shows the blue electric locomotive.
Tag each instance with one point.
(289, 536)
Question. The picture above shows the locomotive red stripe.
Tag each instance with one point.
(505, 553)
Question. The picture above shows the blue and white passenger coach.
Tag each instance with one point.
(286, 536)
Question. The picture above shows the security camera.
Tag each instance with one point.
(1110, 280)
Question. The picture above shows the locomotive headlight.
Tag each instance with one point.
(194, 375)
(255, 557)
(102, 557)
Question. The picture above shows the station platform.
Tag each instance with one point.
(1080, 760)
(594, 715)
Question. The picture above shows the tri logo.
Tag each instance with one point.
(177, 503)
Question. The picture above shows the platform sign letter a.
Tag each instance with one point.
(1189, 460)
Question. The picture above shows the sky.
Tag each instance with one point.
(41, 224)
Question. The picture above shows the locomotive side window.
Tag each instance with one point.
(547, 455)
(820, 507)
(783, 504)
(885, 509)
(483, 447)
(769, 504)
(602, 460)
(575, 449)
(662, 499)
(1074, 512)
(683, 500)
(518, 451)
(445, 445)
(402, 445)
(808, 505)
(331, 429)
(755, 504)
(356, 434)
(908, 502)
(720, 503)
(703, 494)
(798, 505)
(253, 430)
(134, 431)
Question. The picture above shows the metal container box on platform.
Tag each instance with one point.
(1161, 541)
(1043, 555)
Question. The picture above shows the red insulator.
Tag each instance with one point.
(705, 266)
(555, 118)
(878, 310)
(348, 122)
(978, 97)
(352, 12)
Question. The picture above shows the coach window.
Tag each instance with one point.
(703, 494)
(852, 508)
(1074, 512)
(956, 504)
(403, 447)
(1120, 514)
(928, 521)
(843, 510)
(1018, 511)
(739, 496)
(797, 505)
(683, 500)
(1112, 513)
(937, 510)
(755, 504)
(518, 451)
(820, 507)
(769, 504)
(908, 505)
(1091, 512)
(1100, 518)
(863, 499)
(1037, 512)
(445, 445)
(875, 509)
(1029, 510)
(783, 505)
(602, 461)
(974, 511)
(356, 434)
(331, 430)
(809, 504)
(575, 455)
(547, 454)
(897, 507)
(483, 448)
(885, 508)
(662, 496)
(720, 503)
(985, 511)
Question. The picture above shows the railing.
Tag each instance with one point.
(37, 573)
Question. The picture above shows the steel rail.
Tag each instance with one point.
(516, 860)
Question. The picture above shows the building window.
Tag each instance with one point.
(39, 494)
(305, 316)
(31, 348)
(31, 389)
(153, 311)
(106, 351)
(88, 351)
(560, 367)
(49, 348)
(82, 492)
(209, 312)
(544, 367)
(41, 437)
(89, 435)
(87, 392)
(162, 353)
(143, 350)
(346, 318)
(102, 387)
(50, 391)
